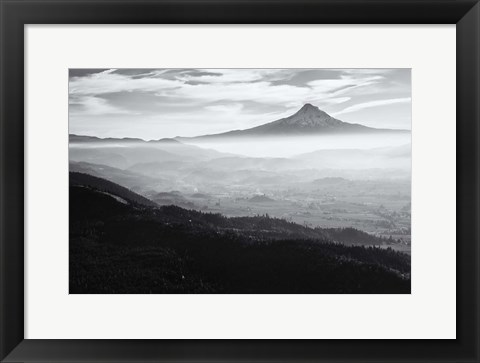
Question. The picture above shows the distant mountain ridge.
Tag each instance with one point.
(73, 138)
(309, 120)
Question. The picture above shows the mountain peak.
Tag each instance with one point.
(309, 109)
(310, 116)
(308, 106)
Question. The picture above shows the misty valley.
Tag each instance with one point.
(195, 215)
(365, 189)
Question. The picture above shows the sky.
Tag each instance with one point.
(157, 103)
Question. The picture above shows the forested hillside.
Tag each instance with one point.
(121, 242)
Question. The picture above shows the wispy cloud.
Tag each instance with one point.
(361, 106)
(227, 108)
(90, 105)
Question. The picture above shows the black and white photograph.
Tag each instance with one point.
(240, 181)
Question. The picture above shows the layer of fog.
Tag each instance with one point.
(290, 146)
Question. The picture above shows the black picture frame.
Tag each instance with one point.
(15, 14)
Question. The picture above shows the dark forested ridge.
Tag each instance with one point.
(120, 242)
(100, 184)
